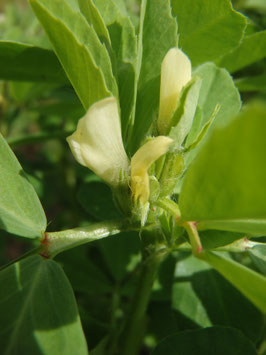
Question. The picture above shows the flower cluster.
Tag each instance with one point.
(97, 142)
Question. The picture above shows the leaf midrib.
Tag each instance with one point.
(25, 306)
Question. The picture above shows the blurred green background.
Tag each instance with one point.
(35, 118)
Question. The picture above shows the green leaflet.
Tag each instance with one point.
(195, 128)
(97, 199)
(250, 50)
(218, 101)
(217, 88)
(249, 282)
(158, 33)
(168, 205)
(258, 256)
(83, 57)
(203, 131)
(20, 61)
(259, 5)
(20, 209)
(208, 28)
(38, 310)
(212, 239)
(223, 304)
(212, 341)
(185, 299)
(95, 19)
(121, 30)
(252, 83)
(73, 4)
(212, 95)
(224, 188)
(208, 101)
(124, 55)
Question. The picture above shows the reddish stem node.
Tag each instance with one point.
(45, 255)
(45, 239)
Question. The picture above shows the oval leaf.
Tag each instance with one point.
(208, 29)
(84, 58)
(20, 209)
(20, 61)
(222, 305)
(249, 282)
(38, 310)
(225, 186)
(211, 341)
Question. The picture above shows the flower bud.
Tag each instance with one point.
(175, 74)
(173, 168)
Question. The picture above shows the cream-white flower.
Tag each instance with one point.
(97, 142)
(175, 74)
(140, 163)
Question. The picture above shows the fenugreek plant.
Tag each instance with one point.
(157, 178)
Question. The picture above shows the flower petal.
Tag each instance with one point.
(175, 74)
(140, 164)
(97, 142)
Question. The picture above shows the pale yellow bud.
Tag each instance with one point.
(97, 142)
(140, 163)
(175, 74)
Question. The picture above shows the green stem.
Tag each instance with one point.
(133, 332)
(191, 228)
(238, 246)
(56, 242)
